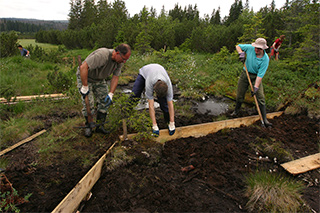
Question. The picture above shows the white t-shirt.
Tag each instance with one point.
(152, 73)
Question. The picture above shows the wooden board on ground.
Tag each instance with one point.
(303, 164)
(22, 142)
(71, 202)
(27, 98)
(200, 130)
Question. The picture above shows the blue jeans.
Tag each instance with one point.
(138, 87)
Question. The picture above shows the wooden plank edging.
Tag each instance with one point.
(27, 98)
(200, 130)
(22, 142)
(71, 202)
(302, 165)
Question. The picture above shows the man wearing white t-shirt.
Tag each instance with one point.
(154, 78)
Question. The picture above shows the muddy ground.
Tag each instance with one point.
(216, 182)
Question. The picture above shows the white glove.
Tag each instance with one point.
(84, 89)
(110, 95)
(155, 130)
(172, 126)
(155, 127)
(277, 49)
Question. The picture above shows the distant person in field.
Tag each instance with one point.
(154, 78)
(257, 61)
(276, 46)
(91, 79)
(24, 52)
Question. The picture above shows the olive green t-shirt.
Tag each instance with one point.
(101, 65)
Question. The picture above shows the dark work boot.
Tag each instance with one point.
(264, 115)
(88, 129)
(166, 117)
(101, 118)
(236, 109)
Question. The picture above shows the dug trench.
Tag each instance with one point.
(159, 178)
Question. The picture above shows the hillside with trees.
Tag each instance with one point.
(30, 25)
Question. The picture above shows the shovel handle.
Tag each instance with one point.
(86, 99)
(255, 98)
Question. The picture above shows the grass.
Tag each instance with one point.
(269, 192)
(59, 144)
(15, 129)
(27, 42)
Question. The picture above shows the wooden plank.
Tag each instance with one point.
(200, 130)
(71, 202)
(303, 164)
(22, 142)
(26, 98)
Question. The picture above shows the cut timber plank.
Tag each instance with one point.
(22, 142)
(71, 202)
(200, 130)
(26, 98)
(303, 164)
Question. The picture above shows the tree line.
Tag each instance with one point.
(30, 25)
(102, 24)
(108, 24)
(9, 25)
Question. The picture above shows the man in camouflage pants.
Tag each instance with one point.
(91, 79)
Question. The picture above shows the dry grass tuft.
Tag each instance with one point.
(269, 192)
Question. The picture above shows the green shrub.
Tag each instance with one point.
(123, 109)
(59, 80)
(8, 43)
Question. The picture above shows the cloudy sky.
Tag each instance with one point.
(59, 9)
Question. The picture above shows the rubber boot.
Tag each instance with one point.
(88, 129)
(236, 109)
(166, 117)
(101, 118)
(264, 115)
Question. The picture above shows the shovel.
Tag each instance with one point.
(86, 99)
(255, 98)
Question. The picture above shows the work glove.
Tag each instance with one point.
(242, 56)
(277, 50)
(253, 93)
(172, 128)
(84, 91)
(108, 99)
(155, 130)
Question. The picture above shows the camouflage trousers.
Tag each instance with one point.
(98, 92)
(243, 85)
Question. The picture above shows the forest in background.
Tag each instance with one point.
(108, 24)
(92, 25)
(29, 26)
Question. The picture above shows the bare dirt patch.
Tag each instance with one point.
(220, 162)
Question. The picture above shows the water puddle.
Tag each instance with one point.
(212, 106)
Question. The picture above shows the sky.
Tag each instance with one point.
(59, 9)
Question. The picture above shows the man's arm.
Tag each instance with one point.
(114, 83)
(171, 110)
(152, 111)
(84, 73)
